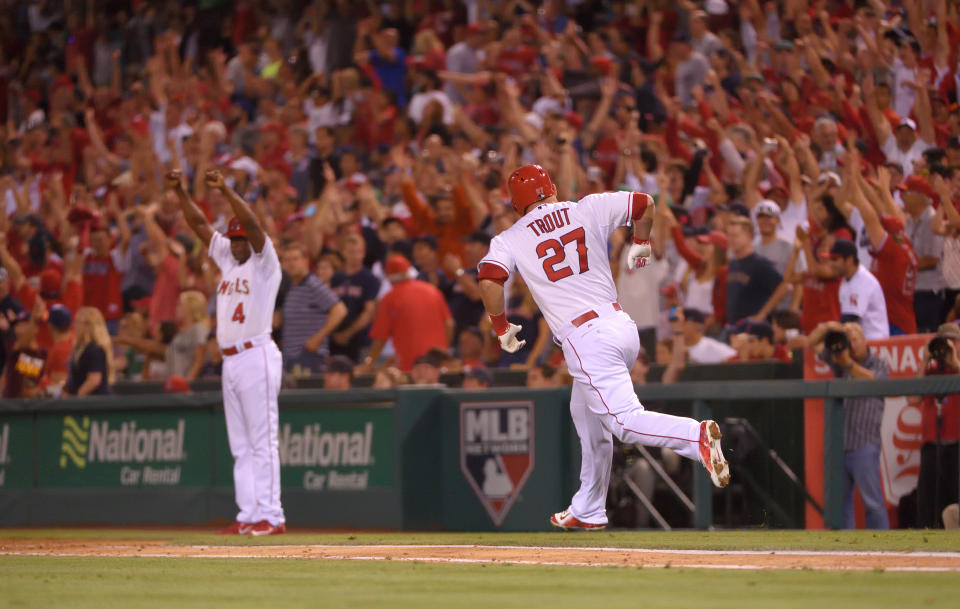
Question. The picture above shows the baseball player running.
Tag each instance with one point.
(252, 363)
(560, 250)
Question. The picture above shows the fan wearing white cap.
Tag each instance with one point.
(768, 243)
(905, 144)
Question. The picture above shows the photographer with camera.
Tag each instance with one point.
(937, 483)
(844, 348)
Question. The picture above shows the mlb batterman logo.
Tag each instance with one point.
(496, 452)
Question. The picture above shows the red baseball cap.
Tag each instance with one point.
(235, 229)
(918, 184)
(176, 383)
(397, 265)
(716, 238)
(50, 281)
(575, 120)
(891, 224)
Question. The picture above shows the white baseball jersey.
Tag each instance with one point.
(247, 292)
(560, 250)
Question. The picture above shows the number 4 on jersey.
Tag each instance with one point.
(238, 315)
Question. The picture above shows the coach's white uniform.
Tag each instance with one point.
(251, 376)
(560, 250)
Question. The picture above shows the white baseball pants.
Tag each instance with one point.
(251, 382)
(603, 404)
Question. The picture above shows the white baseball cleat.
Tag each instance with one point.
(568, 522)
(711, 456)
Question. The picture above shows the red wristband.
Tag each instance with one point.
(500, 323)
(639, 242)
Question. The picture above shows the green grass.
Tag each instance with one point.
(78, 583)
(929, 541)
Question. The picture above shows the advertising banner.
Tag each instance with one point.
(336, 449)
(136, 449)
(324, 449)
(16, 452)
(496, 452)
(900, 431)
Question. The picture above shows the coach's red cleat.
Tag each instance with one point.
(265, 528)
(711, 456)
(237, 528)
(568, 522)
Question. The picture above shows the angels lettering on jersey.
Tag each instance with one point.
(246, 293)
(238, 286)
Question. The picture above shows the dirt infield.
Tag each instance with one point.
(596, 557)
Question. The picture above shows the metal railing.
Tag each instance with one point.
(702, 394)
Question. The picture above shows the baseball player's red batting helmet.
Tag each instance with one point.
(528, 185)
(235, 229)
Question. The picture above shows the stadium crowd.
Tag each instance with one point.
(804, 156)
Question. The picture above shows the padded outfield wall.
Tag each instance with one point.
(414, 458)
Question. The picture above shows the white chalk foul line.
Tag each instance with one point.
(882, 553)
(501, 561)
(490, 561)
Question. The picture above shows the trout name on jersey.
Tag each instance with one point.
(238, 286)
(550, 222)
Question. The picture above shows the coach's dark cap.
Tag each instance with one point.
(694, 315)
(953, 142)
(477, 236)
(843, 248)
(340, 364)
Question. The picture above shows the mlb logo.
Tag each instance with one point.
(496, 452)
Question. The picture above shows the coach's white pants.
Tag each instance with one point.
(603, 404)
(251, 382)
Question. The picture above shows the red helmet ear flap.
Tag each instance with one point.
(528, 185)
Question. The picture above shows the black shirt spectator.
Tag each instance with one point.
(357, 288)
(752, 278)
(91, 360)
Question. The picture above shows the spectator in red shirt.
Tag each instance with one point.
(821, 284)
(103, 269)
(894, 262)
(413, 314)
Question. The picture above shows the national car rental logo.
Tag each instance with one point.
(76, 438)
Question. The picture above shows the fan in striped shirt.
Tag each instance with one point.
(311, 312)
